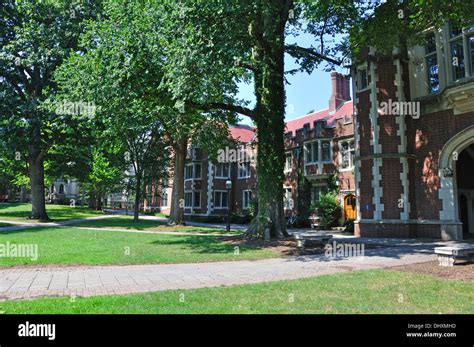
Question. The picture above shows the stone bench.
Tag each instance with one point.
(448, 255)
(301, 239)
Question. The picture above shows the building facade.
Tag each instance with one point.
(318, 145)
(414, 129)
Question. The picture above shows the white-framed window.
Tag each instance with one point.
(456, 47)
(246, 198)
(188, 199)
(220, 199)
(461, 49)
(317, 151)
(362, 77)
(164, 199)
(188, 172)
(326, 150)
(197, 199)
(244, 170)
(288, 202)
(222, 170)
(197, 170)
(192, 199)
(193, 171)
(192, 151)
(346, 150)
(288, 162)
(317, 191)
(311, 152)
(431, 61)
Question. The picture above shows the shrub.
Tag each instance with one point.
(253, 207)
(328, 210)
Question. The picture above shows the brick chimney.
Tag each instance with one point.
(340, 91)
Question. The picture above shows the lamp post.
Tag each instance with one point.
(228, 185)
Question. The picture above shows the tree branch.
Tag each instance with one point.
(295, 49)
(223, 106)
(15, 86)
(246, 66)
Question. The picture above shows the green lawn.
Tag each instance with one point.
(371, 291)
(126, 222)
(55, 212)
(71, 245)
(160, 214)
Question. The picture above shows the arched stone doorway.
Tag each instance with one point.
(465, 189)
(453, 161)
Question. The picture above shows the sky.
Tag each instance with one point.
(305, 92)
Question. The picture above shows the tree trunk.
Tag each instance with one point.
(36, 172)
(177, 195)
(23, 194)
(92, 199)
(98, 205)
(270, 120)
(136, 208)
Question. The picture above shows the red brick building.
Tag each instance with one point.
(414, 132)
(318, 145)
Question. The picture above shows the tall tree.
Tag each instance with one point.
(120, 66)
(218, 45)
(213, 45)
(35, 38)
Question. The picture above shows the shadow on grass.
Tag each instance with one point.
(149, 225)
(121, 223)
(55, 212)
(206, 244)
(8, 205)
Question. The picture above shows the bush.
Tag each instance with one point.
(328, 210)
(253, 207)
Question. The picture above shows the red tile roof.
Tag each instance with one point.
(242, 133)
(345, 110)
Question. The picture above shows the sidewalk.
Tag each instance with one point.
(30, 282)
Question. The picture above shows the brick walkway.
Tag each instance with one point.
(28, 282)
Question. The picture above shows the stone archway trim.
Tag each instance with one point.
(447, 175)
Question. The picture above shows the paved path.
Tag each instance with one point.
(27, 282)
(30, 282)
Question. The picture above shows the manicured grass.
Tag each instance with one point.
(371, 291)
(71, 245)
(55, 212)
(160, 214)
(126, 222)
